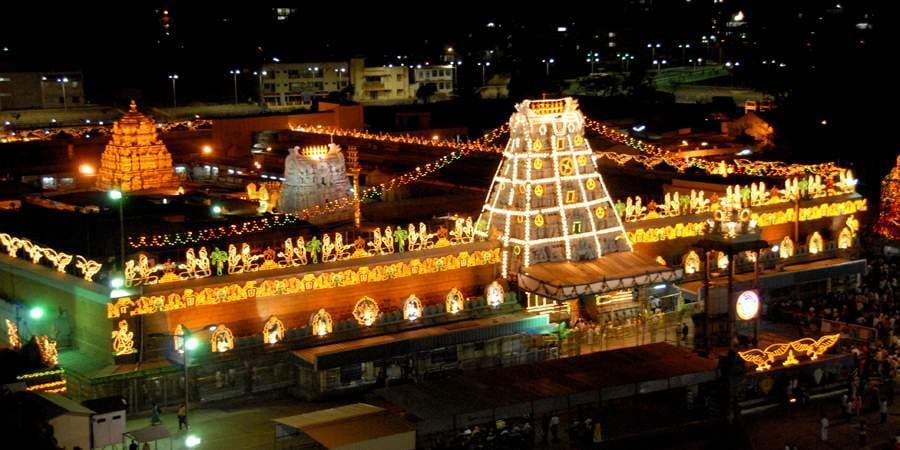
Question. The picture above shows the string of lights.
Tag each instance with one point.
(89, 130)
(47, 373)
(208, 234)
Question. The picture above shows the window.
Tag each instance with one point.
(434, 73)
(399, 77)
(560, 142)
(571, 196)
(373, 79)
(576, 227)
(293, 74)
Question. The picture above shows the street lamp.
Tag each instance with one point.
(234, 73)
(174, 77)
(659, 63)
(117, 196)
(36, 312)
(62, 82)
(340, 71)
(483, 67)
(595, 58)
(188, 344)
(653, 47)
(547, 63)
(684, 48)
(260, 74)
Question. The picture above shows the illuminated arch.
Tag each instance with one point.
(222, 339)
(691, 263)
(815, 243)
(786, 250)
(456, 302)
(273, 331)
(412, 308)
(366, 311)
(494, 294)
(722, 261)
(845, 239)
(321, 323)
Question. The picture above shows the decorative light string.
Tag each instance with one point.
(9, 135)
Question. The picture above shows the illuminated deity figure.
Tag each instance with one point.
(201, 264)
(58, 259)
(377, 244)
(815, 243)
(692, 263)
(313, 247)
(413, 238)
(222, 339)
(366, 311)
(218, 258)
(400, 237)
(123, 340)
(412, 308)
(248, 259)
(845, 238)
(786, 249)
(273, 331)
(12, 244)
(424, 237)
(455, 301)
(388, 240)
(12, 335)
(88, 267)
(341, 251)
(321, 323)
(327, 248)
(494, 294)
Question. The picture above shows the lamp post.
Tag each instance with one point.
(188, 344)
(174, 78)
(260, 74)
(593, 58)
(455, 67)
(653, 46)
(117, 196)
(43, 96)
(234, 73)
(659, 63)
(684, 48)
(340, 71)
(483, 66)
(62, 82)
(547, 63)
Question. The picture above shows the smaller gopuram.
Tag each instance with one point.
(135, 158)
(313, 176)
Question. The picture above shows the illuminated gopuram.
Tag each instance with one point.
(549, 207)
(314, 176)
(888, 224)
(135, 157)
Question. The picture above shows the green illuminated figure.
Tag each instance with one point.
(400, 237)
(218, 258)
(313, 247)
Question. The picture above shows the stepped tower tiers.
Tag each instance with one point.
(548, 202)
(888, 224)
(314, 176)
(135, 158)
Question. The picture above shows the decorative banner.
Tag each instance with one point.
(123, 340)
(59, 261)
(366, 311)
(763, 359)
(747, 304)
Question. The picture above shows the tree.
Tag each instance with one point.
(426, 91)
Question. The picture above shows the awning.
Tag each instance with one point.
(570, 279)
(149, 434)
(328, 415)
(426, 338)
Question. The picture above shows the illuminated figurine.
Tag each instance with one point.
(400, 237)
(218, 258)
(313, 247)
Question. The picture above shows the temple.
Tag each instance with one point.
(135, 158)
(314, 176)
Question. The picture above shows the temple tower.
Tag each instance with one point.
(548, 202)
(135, 158)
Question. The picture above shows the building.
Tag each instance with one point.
(28, 90)
(135, 157)
(297, 84)
(380, 84)
(443, 78)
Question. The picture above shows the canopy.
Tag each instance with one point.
(570, 279)
(149, 434)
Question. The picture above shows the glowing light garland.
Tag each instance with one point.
(212, 233)
(10, 135)
(59, 260)
(764, 358)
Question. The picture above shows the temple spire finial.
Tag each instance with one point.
(133, 106)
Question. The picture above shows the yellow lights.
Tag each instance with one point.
(87, 170)
(691, 263)
(813, 348)
(845, 238)
(123, 340)
(494, 294)
(366, 311)
(545, 107)
(566, 167)
(273, 331)
(53, 387)
(191, 297)
(539, 220)
(294, 253)
(207, 150)
(321, 323)
(455, 302)
(47, 349)
(786, 248)
(537, 163)
(12, 335)
(59, 260)
(600, 212)
(317, 152)
(815, 243)
(221, 340)
(722, 261)
(582, 160)
(412, 308)
(539, 190)
(590, 184)
(747, 305)
(571, 197)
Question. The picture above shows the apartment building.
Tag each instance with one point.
(296, 84)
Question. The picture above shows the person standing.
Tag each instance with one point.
(862, 434)
(684, 331)
(823, 428)
(156, 419)
(182, 417)
(883, 409)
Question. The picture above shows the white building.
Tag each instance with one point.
(296, 84)
(380, 84)
(441, 76)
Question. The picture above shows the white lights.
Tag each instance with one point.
(747, 305)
